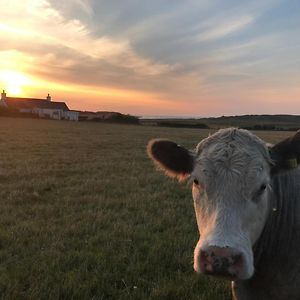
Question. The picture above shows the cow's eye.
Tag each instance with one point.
(262, 188)
(260, 191)
(198, 185)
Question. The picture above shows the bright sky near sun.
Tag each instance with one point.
(158, 57)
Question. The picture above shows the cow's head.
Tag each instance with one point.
(231, 172)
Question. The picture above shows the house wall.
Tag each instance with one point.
(2, 103)
(71, 115)
(25, 110)
(56, 114)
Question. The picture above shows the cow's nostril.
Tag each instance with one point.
(237, 262)
(236, 258)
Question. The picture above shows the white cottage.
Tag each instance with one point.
(44, 108)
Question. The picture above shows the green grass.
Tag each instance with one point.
(85, 215)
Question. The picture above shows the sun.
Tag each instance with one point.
(13, 81)
(14, 90)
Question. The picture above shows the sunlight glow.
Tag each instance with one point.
(5, 28)
(13, 82)
(14, 90)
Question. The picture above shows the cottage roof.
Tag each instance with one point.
(30, 103)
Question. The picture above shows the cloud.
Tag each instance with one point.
(182, 52)
(45, 25)
(226, 28)
(86, 6)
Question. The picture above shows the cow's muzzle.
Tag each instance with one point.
(218, 261)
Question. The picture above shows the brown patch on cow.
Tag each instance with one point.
(172, 158)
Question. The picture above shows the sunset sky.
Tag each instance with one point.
(158, 57)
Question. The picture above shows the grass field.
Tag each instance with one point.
(85, 215)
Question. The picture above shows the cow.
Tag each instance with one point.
(247, 203)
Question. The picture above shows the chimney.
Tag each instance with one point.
(48, 97)
(3, 95)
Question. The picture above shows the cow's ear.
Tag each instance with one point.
(286, 154)
(175, 160)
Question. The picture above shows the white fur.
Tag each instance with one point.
(231, 166)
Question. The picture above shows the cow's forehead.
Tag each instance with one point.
(233, 150)
(238, 139)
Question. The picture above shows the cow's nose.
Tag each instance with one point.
(219, 261)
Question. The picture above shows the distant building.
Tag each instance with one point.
(44, 108)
